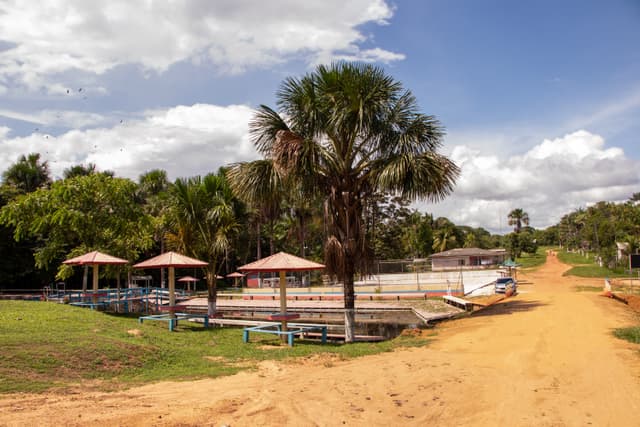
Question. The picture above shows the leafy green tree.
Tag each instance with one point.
(422, 236)
(203, 222)
(347, 132)
(517, 217)
(388, 221)
(28, 174)
(77, 215)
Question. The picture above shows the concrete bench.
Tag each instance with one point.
(293, 329)
(173, 319)
(458, 302)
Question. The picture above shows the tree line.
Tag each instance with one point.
(45, 222)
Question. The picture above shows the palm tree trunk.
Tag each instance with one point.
(349, 302)
(212, 295)
(258, 245)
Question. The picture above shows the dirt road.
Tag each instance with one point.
(543, 358)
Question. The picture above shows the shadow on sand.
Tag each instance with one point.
(508, 306)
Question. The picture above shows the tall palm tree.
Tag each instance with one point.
(346, 132)
(153, 190)
(204, 222)
(517, 217)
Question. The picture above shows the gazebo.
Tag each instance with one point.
(235, 276)
(171, 260)
(95, 259)
(188, 280)
(282, 262)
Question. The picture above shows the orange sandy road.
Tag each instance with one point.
(543, 358)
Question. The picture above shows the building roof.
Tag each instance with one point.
(464, 252)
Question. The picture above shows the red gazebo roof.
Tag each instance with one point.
(171, 259)
(188, 279)
(281, 261)
(235, 275)
(95, 258)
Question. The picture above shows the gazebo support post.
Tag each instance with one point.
(85, 280)
(172, 289)
(118, 290)
(95, 283)
(283, 302)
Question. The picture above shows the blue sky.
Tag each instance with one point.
(540, 99)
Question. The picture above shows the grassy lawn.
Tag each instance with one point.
(534, 260)
(47, 345)
(586, 267)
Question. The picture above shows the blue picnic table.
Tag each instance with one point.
(293, 329)
(173, 319)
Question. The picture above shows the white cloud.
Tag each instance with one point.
(184, 140)
(550, 180)
(58, 118)
(96, 36)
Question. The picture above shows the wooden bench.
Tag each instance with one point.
(173, 319)
(458, 302)
(293, 329)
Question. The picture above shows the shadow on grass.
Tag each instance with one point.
(509, 306)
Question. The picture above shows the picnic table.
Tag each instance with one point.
(172, 319)
(292, 330)
(91, 305)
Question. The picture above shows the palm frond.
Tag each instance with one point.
(428, 176)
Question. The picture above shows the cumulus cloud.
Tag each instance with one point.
(183, 140)
(550, 180)
(60, 36)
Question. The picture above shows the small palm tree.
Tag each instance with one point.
(443, 239)
(345, 133)
(28, 174)
(517, 217)
(260, 185)
(203, 222)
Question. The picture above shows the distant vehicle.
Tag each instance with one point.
(504, 283)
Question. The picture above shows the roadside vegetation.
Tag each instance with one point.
(585, 266)
(533, 260)
(47, 345)
(631, 334)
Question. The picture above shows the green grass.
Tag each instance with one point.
(631, 334)
(586, 267)
(588, 288)
(573, 258)
(47, 345)
(534, 260)
(594, 271)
